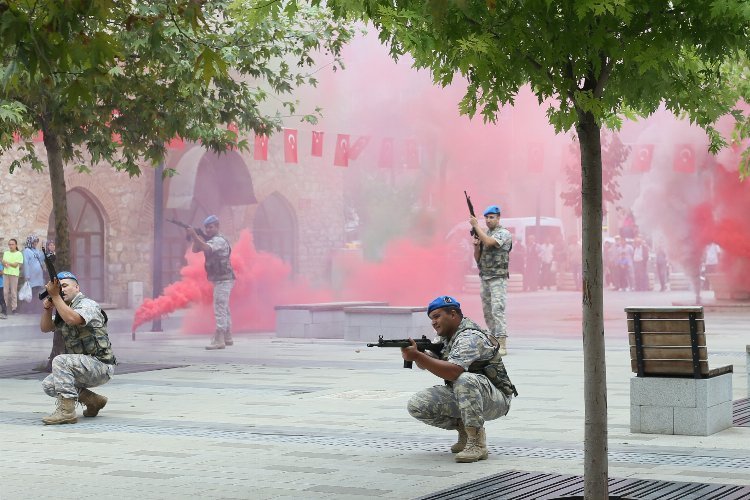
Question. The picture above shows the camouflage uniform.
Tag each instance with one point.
(88, 360)
(493, 271)
(472, 397)
(219, 271)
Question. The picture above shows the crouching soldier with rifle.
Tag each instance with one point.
(477, 387)
(88, 360)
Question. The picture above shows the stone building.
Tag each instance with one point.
(298, 217)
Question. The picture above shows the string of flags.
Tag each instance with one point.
(641, 157)
(408, 154)
(346, 148)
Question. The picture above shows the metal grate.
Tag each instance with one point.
(518, 485)
(741, 412)
(31, 371)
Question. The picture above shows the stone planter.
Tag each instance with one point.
(725, 290)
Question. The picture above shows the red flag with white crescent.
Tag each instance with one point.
(290, 145)
(684, 158)
(261, 147)
(317, 144)
(644, 153)
(358, 146)
(341, 158)
(176, 143)
(386, 153)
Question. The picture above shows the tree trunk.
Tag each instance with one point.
(595, 376)
(60, 211)
(59, 200)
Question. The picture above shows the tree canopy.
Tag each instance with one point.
(114, 81)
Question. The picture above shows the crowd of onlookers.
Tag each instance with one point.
(22, 274)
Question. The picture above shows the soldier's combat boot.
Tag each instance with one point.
(65, 413)
(217, 342)
(228, 338)
(461, 443)
(93, 402)
(503, 351)
(476, 447)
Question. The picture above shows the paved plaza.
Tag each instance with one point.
(326, 419)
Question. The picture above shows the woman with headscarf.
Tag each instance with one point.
(33, 269)
(49, 250)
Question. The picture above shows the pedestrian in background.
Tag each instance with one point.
(33, 270)
(4, 311)
(12, 264)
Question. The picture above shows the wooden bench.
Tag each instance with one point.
(674, 390)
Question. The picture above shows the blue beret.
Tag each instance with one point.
(443, 301)
(210, 220)
(492, 209)
(66, 275)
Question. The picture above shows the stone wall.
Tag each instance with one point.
(312, 188)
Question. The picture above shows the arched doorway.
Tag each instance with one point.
(86, 226)
(275, 229)
(206, 183)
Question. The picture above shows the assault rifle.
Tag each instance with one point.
(52, 275)
(186, 226)
(473, 231)
(423, 344)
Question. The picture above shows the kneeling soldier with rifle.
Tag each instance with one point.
(88, 360)
(477, 387)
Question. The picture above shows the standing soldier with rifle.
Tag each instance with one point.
(492, 254)
(217, 250)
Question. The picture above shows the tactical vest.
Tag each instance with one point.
(493, 262)
(87, 339)
(218, 267)
(493, 368)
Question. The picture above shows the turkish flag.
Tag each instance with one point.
(535, 157)
(642, 157)
(290, 145)
(341, 158)
(261, 147)
(317, 144)
(412, 154)
(386, 153)
(176, 143)
(684, 158)
(358, 146)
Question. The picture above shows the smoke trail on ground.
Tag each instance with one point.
(262, 281)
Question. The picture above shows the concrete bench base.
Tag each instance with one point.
(686, 406)
(323, 320)
(367, 323)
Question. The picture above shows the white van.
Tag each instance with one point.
(549, 229)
